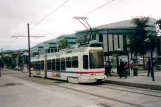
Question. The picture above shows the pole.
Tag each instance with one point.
(0, 71)
(152, 71)
(128, 62)
(29, 65)
(45, 63)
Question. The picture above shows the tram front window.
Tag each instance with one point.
(96, 59)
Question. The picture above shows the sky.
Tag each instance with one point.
(15, 14)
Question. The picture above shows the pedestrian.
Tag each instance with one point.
(2, 66)
(110, 67)
(126, 69)
(119, 68)
(107, 68)
(122, 69)
(149, 67)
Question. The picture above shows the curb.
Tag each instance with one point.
(16, 71)
(138, 85)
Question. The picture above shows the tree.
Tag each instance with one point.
(137, 44)
(159, 24)
(63, 44)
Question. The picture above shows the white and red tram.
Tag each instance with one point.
(79, 65)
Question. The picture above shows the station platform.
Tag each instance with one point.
(140, 81)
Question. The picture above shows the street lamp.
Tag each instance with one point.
(151, 58)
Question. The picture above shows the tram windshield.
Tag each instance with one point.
(96, 59)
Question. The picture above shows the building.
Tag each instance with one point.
(115, 36)
(51, 46)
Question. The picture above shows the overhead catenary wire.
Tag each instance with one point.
(98, 7)
(43, 18)
(49, 14)
(89, 12)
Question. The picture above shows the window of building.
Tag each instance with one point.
(62, 63)
(48, 50)
(48, 64)
(38, 65)
(68, 62)
(100, 38)
(58, 64)
(75, 61)
(94, 37)
(52, 50)
(42, 65)
(55, 50)
(53, 65)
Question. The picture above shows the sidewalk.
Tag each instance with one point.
(140, 81)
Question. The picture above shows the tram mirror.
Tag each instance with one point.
(85, 61)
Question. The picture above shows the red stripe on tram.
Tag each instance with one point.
(92, 72)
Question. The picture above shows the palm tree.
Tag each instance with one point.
(137, 44)
(159, 24)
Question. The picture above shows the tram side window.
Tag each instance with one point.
(32, 65)
(48, 64)
(75, 61)
(68, 62)
(38, 65)
(42, 65)
(62, 63)
(85, 61)
(58, 64)
(53, 65)
(52, 50)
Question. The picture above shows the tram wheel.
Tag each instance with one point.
(73, 80)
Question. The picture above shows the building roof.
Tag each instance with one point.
(126, 24)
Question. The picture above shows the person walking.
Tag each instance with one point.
(110, 67)
(122, 70)
(0, 68)
(107, 68)
(126, 72)
(149, 67)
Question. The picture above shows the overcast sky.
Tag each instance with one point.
(15, 14)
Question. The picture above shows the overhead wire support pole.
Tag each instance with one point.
(29, 65)
(29, 62)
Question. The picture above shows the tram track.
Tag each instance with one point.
(125, 90)
(45, 83)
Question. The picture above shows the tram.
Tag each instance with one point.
(79, 65)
